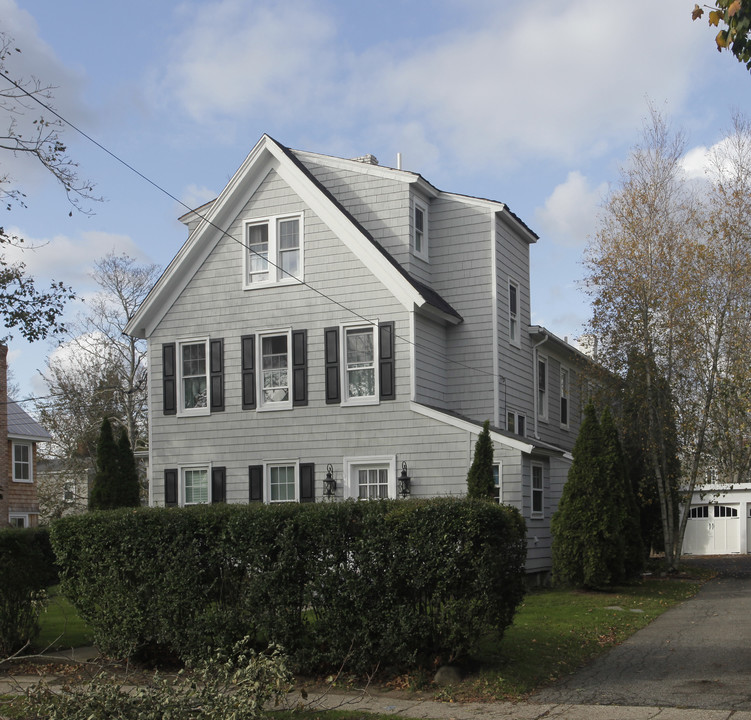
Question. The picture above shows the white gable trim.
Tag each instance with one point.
(470, 427)
(265, 156)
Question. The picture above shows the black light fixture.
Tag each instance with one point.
(404, 481)
(329, 484)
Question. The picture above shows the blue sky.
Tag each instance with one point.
(532, 104)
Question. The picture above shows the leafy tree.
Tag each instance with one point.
(104, 491)
(587, 551)
(480, 482)
(735, 18)
(33, 311)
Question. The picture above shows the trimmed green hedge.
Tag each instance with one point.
(27, 567)
(388, 583)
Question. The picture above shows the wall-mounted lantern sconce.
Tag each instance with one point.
(329, 484)
(404, 481)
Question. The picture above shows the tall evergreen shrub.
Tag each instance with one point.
(480, 477)
(116, 480)
(586, 548)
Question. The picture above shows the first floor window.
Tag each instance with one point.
(193, 378)
(537, 491)
(196, 485)
(359, 362)
(497, 491)
(372, 483)
(282, 483)
(370, 478)
(18, 520)
(22, 462)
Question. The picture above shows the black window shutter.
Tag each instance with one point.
(169, 380)
(216, 372)
(307, 482)
(218, 484)
(248, 371)
(386, 361)
(300, 367)
(170, 487)
(255, 476)
(331, 358)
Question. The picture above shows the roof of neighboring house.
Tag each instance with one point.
(22, 426)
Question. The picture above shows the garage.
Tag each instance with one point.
(712, 529)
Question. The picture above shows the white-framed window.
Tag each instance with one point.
(359, 366)
(538, 492)
(196, 484)
(497, 482)
(19, 520)
(193, 368)
(22, 462)
(274, 373)
(273, 251)
(370, 478)
(282, 480)
(515, 423)
(420, 229)
(513, 312)
(564, 397)
(542, 388)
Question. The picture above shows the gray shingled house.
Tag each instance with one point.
(333, 326)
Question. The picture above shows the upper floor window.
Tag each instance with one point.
(193, 377)
(542, 388)
(360, 352)
(564, 397)
(273, 251)
(22, 462)
(420, 230)
(513, 312)
(274, 376)
(515, 423)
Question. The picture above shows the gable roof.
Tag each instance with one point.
(22, 426)
(268, 154)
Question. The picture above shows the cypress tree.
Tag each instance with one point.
(585, 524)
(480, 476)
(103, 491)
(128, 487)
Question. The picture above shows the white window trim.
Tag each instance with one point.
(499, 465)
(267, 465)
(513, 320)
(21, 443)
(542, 412)
(564, 371)
(423, 253)
(370, 399)
(274, 264)
(352, 464)
(182, 411)
(273, 406)
(181, 482)
(22, 516)
(540, 513)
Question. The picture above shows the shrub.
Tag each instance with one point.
(26, 568)
(388, 582)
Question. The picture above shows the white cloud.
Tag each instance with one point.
(569, 214)
(694, 163)
(194, 196)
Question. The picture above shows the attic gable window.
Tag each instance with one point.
(420, 230)
(273, 251)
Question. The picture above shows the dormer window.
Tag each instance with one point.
(420, 230)
(273, 251)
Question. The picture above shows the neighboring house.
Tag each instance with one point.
(332, 319)
(719, 520)
(19, 506)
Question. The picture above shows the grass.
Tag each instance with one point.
(61, 626)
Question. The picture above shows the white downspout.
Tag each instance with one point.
(494, 320)
(534, 380)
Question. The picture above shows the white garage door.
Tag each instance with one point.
(712, 530)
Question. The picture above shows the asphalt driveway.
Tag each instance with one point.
(696, 655)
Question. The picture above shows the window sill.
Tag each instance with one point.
(203, 412)
(272, 284)
(274, 408)
(24, 482)
(357, 402)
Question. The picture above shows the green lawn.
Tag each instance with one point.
(61, 627)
